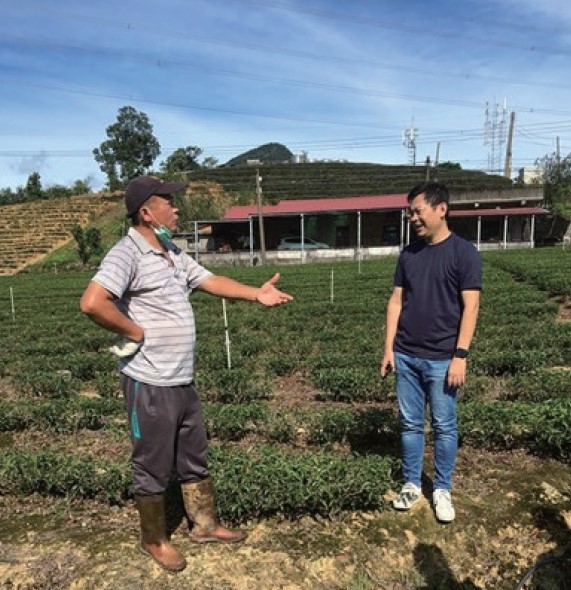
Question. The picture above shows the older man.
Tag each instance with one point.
(141, 292)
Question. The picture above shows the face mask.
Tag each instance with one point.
(163, 233)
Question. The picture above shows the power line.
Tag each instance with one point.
(160, 62)
(399, 26)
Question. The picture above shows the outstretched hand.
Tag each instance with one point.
(269, 295)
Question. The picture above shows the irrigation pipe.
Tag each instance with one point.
(534, 568)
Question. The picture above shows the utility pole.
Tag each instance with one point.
(260, 217)
(427, 168)
(508, 162)
(436, 159)
(557, 151)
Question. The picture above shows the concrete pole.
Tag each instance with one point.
(359, 234)
(532, 232)
(505, 231)
(196, 241)
(251, 224)
(302, 233)
(508, 162)
(261, 217)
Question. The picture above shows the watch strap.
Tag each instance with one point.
(461, 353)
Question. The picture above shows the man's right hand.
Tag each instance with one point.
(125, 348)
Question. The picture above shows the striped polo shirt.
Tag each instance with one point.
(155, 295)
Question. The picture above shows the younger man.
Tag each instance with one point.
(431, 318)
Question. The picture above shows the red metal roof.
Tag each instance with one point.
(517, 211)
(306, 206)
(366, 203)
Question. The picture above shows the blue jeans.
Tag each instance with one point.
(419, 381)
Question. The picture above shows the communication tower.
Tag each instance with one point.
(495, 131)
(409, 142)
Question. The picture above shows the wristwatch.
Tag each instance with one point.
(461, 353)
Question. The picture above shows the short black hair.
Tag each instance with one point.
(434, 194)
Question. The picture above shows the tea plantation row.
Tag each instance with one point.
(323, 349)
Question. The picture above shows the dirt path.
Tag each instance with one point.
(512, 509)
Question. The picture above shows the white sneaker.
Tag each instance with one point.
(408, 497)
(442, 501)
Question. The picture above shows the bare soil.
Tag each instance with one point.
(513, 509)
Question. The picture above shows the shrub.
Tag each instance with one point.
(233, 422)
(47, 384)
(352, 384)
(250, 483)
(262, 481)
(237, 386)
(542, 428)
(56, 474)
(539, 385)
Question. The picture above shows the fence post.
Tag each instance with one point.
(332, 295)
(12, 303)
(226, 335)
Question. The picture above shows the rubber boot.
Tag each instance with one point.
(154, 540)
(200, 504)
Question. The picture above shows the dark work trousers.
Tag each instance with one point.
(167, 431)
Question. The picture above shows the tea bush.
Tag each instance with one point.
(542, 428)
(251, 483)
(47, 384)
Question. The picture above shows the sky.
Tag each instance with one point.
(379, 81)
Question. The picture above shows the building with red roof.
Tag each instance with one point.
(367, 225)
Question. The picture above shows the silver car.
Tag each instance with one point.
(294, 243)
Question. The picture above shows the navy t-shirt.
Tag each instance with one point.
(433, 277)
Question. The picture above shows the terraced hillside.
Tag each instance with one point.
(32, 230)
(339, 179)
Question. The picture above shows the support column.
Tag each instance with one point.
(505, 232)
(359, 253)
(196, 241)
(251, 224)
(479, 232)
(532, 232)
(402, 216)
(302, 233)
(408, 233)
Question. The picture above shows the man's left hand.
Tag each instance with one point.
(457, 372)
(269, 295)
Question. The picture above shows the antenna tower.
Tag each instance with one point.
(495, 131)
(409, 142)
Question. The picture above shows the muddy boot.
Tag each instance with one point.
(154, 540)
(200, 504)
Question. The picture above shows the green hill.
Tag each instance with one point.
(267, 153)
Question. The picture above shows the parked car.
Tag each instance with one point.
(294, 243)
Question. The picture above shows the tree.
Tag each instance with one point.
(210, 162)
(130, 150)
(88, 242)
(82, 187)
(204, 200)
(57, 191)
(182, 160)
(556, 178)
(34, 190)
